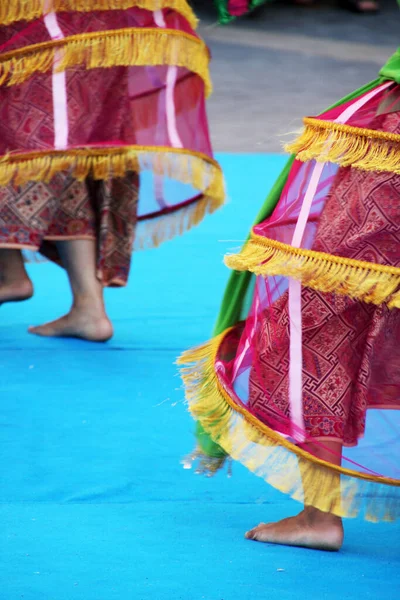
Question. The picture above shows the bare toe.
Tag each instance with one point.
(252, 534)
(77, 324)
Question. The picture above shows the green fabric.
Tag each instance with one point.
(236, 292)
(391, 70)
(234, 299)
(224, 17)
(207, 445)
(256, 3)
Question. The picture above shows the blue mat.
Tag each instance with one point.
(94, 504)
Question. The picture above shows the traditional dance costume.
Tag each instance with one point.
(93, 96)
(229, 10)
(319, 344)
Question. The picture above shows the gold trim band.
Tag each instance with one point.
(187, 166)
(365, 281)
(282, 464)
(16, 10)
(193, 168)
(372, 134)
(133, 46)
(365, 149)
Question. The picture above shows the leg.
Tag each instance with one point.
(312, 528)
(87, 318)
(15, 284)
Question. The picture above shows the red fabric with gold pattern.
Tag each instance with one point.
(152, 116)
(38, 214)
(349, 360)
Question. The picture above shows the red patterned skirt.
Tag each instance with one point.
(91, 97)
(351, 358)
(36, 215)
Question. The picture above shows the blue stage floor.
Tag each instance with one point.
(94, 504)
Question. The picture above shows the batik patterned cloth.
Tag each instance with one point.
(37, 215)
(319, 346)
(350, 360)
(96, 91)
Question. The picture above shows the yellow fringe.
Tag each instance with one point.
(344, 145)
(153, 232)
(286, 467)
(187, 166)
(27, 10)
(134, 46)
(365, 281)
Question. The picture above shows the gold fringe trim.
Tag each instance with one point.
(365, 281)
(347, 146)
(286, 467)
(134, 46)
(152, 233)
(27, 10)
(193, 168)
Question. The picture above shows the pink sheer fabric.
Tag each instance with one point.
(238, 8)
(350, 355)
(115, 106)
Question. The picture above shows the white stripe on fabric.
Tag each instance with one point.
(59, 84)
(172, 73)
(294, 303)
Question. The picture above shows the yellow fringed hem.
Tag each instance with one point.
(189, 167)
(17, 10)
(133, 46)
(282, 464)
(365, 281)
(366, 149)
(152, 233)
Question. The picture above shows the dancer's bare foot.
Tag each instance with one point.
(87, 318)
(311, 528)
(83, 323)
(15, 291)
(15, 284)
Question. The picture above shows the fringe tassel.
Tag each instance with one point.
(154, 232)
(270, 456)
(365, 281)
(192, 168)
(135, 46)
(346, 146)
(27, 10)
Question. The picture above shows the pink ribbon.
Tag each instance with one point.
(295, 318)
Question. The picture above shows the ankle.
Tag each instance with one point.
(12, 267)
(314, 515)
(91, 303)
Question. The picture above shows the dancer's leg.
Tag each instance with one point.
(15, 284)
(87, 318)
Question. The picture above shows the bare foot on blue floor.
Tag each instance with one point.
(15, 291)
(15, 284)
(311, 528)
(90, 325)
